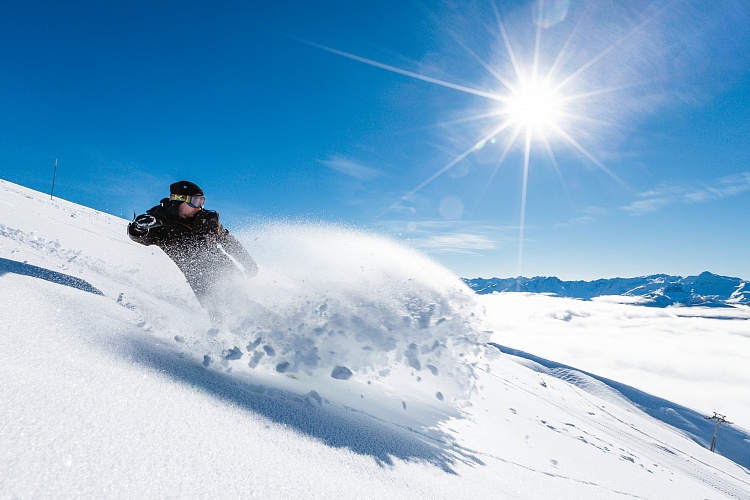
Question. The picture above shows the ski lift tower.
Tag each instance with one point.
(720, 419)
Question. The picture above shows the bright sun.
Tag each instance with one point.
(534, 105)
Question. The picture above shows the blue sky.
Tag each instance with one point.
(395, 116)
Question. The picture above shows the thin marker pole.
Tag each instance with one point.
(53, 180)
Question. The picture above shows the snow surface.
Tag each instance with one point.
(376, 378)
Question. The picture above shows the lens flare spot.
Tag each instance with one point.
(459, 170)
(451, 207)
(547, 13)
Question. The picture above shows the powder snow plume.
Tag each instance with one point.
(339, 302)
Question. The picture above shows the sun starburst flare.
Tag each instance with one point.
(532, 104)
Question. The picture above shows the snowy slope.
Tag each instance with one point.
(106, 394)
(659, 290)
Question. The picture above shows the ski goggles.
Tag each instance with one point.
(193, 201)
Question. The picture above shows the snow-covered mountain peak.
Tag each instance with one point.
(658, 290)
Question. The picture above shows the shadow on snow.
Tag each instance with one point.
(23, 269)
(732, 441)
(309, 414)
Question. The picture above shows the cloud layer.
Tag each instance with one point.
(693, 356)
(664, 196)
(351, 168)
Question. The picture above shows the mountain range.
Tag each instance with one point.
(657, 290)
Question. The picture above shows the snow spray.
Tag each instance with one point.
(339, 302)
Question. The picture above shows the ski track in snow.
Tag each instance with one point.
(637, 446)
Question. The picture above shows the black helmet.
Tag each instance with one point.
(185, 188)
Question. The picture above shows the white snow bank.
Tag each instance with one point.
(105, 394)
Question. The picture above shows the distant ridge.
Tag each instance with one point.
(657, 290)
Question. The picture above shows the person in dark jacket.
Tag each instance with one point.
(194, 239)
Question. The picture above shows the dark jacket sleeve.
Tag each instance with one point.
(147, 237)
(228, 242)
(234, 248)
(152, 235)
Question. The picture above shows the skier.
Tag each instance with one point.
(195, 240)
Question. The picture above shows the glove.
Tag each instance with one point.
(144, 222)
